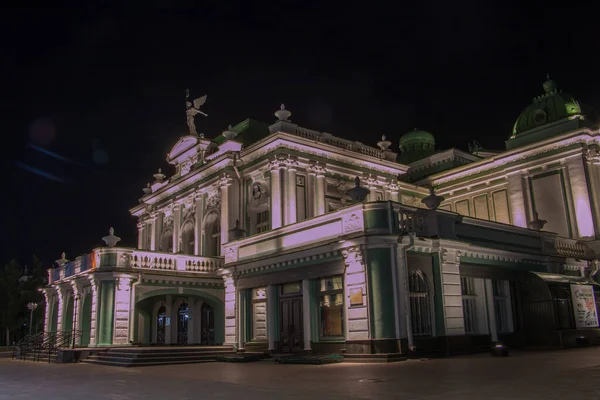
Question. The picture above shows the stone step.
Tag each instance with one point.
(138, 361)
(188, 351)
(144, 364)
(164, 354)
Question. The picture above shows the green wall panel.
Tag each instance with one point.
(381, 293)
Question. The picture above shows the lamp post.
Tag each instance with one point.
(31, 306)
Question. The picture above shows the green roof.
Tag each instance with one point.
(415, 145)
(416, 137)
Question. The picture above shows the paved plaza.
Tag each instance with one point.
(567, 374)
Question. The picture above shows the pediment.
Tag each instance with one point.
(181, 149)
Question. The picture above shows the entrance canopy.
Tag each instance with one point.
(565, 279)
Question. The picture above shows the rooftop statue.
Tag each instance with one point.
(193, 109)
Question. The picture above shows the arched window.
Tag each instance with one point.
(420, 304)
(187, 238)
(166, 241)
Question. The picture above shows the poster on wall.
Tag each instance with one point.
(584, 306)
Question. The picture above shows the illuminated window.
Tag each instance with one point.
(331, 307)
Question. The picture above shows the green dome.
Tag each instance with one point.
(416, 145)
(416, 137)
(552, 106)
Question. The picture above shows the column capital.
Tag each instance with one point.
(393, 187)
(592, 154)
(317, 168)
(450, 256)
(292, 163)
(352, 255)
(225, 180)
(277, 162)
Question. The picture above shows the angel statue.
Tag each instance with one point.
(193, 109)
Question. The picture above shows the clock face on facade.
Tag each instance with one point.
(539, 117)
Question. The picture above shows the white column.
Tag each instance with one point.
(371, 183)
(276, 206)
(61, 297)
(230, 310)
(306, 295)
(593, 161)
(516, 199)
(198, 250)
(355, 279)
(241, 318)
(320, 204)
(489, 295)
(454, 322)
(176, 228)
(310, 193)
(49, 297)
(153, 232)
(290, 214)
(140, 242)
(94, 313)
(122, 310)
(394, 190)
(581, 198)
(271, 315)
(224, 184)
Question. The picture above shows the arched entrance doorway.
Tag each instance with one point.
(86, 320)
(182, 324)
(161, 320)
(187, 238)
(207, 316)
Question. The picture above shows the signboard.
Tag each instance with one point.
(584, 306)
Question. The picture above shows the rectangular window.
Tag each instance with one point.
(481, 207)
(289, 288)
(262, 221)
(331, 307)
(469, 301)
(462, 207)
(502, 306)
(501, 207)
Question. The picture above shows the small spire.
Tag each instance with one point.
(282, 114)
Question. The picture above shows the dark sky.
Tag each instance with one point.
(106, 90)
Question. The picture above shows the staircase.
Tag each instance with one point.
(147, 356)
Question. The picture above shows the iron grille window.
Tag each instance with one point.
(469, 300)
(420, 304)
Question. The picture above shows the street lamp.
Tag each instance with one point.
(31, 306)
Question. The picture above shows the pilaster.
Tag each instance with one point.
(140, 242)
(393, 190)
(491, 314)
(516, 199)
(371, 183)
(276, 206)
(224, 184)
(50, 299)
(94, 314)
(176, 228)
(199, 199)
(241, 317)
(578, 182)
(319, 171)
(61, 296)
(290, 210)
(310, 193)
(154, 232)
(451, 292)
(357, 307)
(230, 310)
(592, 157)
(271, 315)
(122, 310)
(306, 311)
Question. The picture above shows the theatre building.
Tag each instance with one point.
(279, 238)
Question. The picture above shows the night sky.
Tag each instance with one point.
(105, 93)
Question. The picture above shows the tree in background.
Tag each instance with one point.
(19, 286)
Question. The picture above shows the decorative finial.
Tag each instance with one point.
(537, 223)
(358, 193)
(63, 256)
(159, 176)
(193, 109)
(229, 134)
(432, 201)
(237, 232)
(384, 144)
(549, 85)
(111, 240)
(147, 189)
(282, 114)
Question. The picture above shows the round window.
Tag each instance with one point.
(539, 117)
